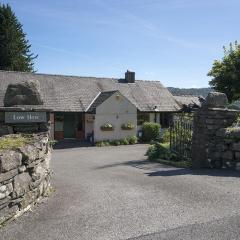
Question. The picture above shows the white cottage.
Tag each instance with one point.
(108, 108)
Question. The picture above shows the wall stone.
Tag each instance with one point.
(24, 175)
(212, 143)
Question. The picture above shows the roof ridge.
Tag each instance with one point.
(64, 75)
(186, 95)
(52, 74)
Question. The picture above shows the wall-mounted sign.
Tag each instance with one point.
(25, 117)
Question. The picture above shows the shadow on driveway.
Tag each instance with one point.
(158, 169)
(71, 143)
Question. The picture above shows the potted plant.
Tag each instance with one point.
(107, 127)
(128, 126)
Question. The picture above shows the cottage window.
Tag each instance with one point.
(143, 117)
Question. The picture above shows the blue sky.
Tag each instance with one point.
(174, 41)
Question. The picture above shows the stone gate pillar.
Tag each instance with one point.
(212, 116)
(24, 110)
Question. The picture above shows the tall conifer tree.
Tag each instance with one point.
(15, 54)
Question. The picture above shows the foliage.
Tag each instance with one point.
(125, 141)
(159, 150)
(15, 52)
(150, 131)
(13, 142)
(161, 153)
(115, 142)
(226, 73)
(132, 140)
(127, 126)
(100, 144)
(166, 136)
(52, 142)
(182, 130)
(107, 127)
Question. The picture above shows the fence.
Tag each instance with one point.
(181, 131)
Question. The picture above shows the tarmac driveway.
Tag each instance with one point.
(114, 193)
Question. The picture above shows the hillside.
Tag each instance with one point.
(190, 91)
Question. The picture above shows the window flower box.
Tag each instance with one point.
(128, 126)
(107, 127)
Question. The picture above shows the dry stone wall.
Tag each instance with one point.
(24, 175)
(226, 147)
(214, 143)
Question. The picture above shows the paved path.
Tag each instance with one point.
(114, 193)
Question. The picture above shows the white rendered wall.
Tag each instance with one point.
(117, 111)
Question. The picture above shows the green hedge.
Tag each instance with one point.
(150, 131)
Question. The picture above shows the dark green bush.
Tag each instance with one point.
(124, 141)
(115, 142)
(132, 140)
(150, 131)
(160, 150)
(166, 136)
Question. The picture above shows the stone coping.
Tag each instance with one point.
(28, 108)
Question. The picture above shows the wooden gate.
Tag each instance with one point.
(181, 130)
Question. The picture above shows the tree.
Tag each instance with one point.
(15, 54)
(226, 72)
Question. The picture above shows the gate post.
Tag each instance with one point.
(212, 116)
(24, 110)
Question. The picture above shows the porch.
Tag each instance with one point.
(70, 125)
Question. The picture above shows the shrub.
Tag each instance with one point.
(160, 150)
(132, 140)
(152, 152)
(99, 144)
(115, 142)
(166, 136)
(106, 143)
(150, 131)
(124, 141)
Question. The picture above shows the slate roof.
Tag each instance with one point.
(189, 100)
(101, 97)
(75, 94)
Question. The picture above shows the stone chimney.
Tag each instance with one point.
(130, 77)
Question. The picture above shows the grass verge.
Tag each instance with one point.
(13, 142)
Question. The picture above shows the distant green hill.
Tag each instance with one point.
(190, 91)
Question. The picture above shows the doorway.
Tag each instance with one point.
(69, 125)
